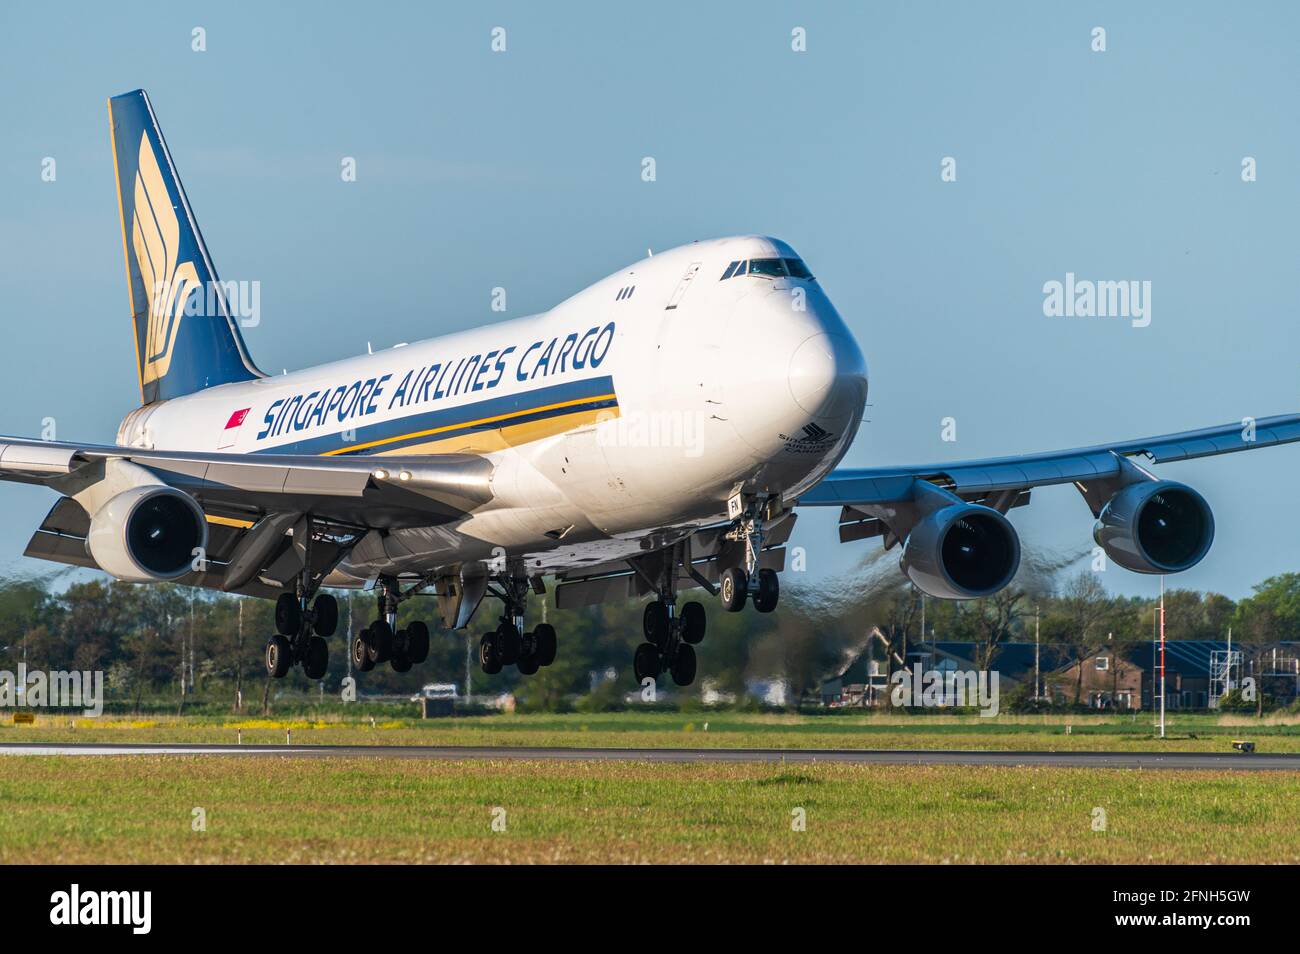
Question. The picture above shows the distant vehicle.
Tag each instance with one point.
(437, 690)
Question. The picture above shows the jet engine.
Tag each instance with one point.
(147, 533)
(1155, 526)
(961, 552)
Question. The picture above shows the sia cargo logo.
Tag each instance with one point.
(155, 237)
(813, 439)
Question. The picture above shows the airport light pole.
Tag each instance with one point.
(1162, 655)
(1038, 693)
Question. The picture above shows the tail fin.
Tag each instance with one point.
(185, 336)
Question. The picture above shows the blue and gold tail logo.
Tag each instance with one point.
(155, 238)
(179, 350)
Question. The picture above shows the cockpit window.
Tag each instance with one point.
(772, 267)
(797, 268)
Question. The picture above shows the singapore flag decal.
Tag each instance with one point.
(231, 432)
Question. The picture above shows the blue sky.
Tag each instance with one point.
(522, 170)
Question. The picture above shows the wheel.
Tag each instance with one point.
(488, 656)
(732, 589)
(325, 615)
(683, 667)
(655, 623)
(361, 660)
(417, 642)
(693, 622)
(508, 643)
(381, 641)
(317, 658)
(645, 663)
(400, 662)
(544, 635)
(769, 591)
(528, 664)
(279, 657)
(288, 615)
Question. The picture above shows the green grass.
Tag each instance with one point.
(140, 809)
(1190, 733)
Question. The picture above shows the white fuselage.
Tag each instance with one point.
(641, 403)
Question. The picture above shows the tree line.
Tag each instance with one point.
(170, 644)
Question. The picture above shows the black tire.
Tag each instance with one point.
(325, 615)
(288, 615)
(381, 641)
(360, 649)
(488, 656)
(769, 591)
(279, 657)
(400, 662)
(732, 589)
(316, 661)
(694, 621)
(417, 642)
(645, 663)
(546, 641)
(528, 664)
(508, 643)
(683, 667)
(655, 623)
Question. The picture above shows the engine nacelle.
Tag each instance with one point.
(147, 534)
(961, 552)
(1155, 526)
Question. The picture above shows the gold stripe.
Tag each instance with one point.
(502, 438)
(126, 257)
(229, 521)
(453, 427)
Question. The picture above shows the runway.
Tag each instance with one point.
(1214, 761)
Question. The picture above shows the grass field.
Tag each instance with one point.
(141, 809)
(1186, 733)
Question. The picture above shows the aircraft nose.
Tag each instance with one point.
(827, 375)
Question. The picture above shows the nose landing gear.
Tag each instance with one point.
(751, 582)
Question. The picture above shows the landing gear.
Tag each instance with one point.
(402, 648)
(317, 658)
(733, 589)
(646, 663)
(509, 644)
(769, 591)
(279, 656)
(670, 636)
(301, 622)
(750, 582)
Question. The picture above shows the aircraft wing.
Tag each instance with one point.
(253, 501)
(868, 494)
(365, 492)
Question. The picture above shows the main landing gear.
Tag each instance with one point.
(301, 634)
(670, 641)
(670, 636)
(381, 642)
(302, 625)
(508, 644)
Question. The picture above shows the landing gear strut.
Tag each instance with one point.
(509, 644)
(302, 624)
(750, 582)
(670, 637)
(382, 642)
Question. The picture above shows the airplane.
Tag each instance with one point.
(656, 432)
